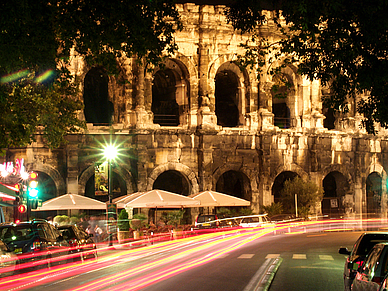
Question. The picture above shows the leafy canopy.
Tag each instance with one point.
(341, 42)
(308, 195)
(37, 37)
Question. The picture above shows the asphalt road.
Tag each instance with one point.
(228, 262)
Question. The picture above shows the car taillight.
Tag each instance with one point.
(73, 242)
(36, 245)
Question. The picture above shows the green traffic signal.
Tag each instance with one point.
(33, 191)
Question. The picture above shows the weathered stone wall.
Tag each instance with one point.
(254, 155)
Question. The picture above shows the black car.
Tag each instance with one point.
(357, 256)
(371, 276)
(37, 243)
(80, 242)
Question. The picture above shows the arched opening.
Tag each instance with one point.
(119, 188)
(329, 121)
(280, 93)
(164, 103)
(227, 99)
(335, 187)
(172, 181)
(98, 109)
(373, 194)
(278, 186)
(236, 184)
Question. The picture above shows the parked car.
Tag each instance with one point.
(255, 221)
(206, 221)
(7, 260)
(371, 274)
(34, 241)
(356, 257)
(80, 242)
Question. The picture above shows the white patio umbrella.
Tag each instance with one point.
(213, 198)
(160, 199)
(71, 201)
(122, 200)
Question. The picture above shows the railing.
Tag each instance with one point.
(166, 120)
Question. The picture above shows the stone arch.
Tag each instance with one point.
(375, 190)
(287, 102)
(278, 184)
(122, 170)
(53, 174)
(243, 92)
(248, 187)
(335, 187)
(343, 169)
(182, 169)
(290, 168)
(171, 94)
(98, 108)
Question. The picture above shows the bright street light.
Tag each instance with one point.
(110, 152)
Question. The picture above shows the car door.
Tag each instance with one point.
(366, 276)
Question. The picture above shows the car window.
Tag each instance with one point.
(40, 230)
(67, 232)
(368, 241)
(19, 232)
(24, 232)
(370, 264)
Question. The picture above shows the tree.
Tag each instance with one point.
(123, 221)
(340, 42)
(308, 195)
(37, 37)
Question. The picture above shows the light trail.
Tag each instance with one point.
(190, 248)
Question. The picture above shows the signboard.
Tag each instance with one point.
(101, 179)
(333, 203)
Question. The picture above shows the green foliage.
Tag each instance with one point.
(61, 220)
(123, 222)
(342, 43)
(308, 195)
(175, 217)
(273, 209)
(74, 220)
(138, 221)
(37, 93)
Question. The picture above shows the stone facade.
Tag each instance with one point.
(202, 123)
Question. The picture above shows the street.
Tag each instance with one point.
(217, 261)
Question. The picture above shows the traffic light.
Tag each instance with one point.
(33, 191)
(22, 208)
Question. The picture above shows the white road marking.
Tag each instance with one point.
(326, 258)
(299, 256)
(246, 256)
(272, 256)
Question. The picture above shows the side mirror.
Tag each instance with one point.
(344, 251)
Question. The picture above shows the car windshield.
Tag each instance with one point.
(368, 241)
(67, 232)
(18, 232)
(204, 218)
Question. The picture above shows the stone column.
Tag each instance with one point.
(72, 165)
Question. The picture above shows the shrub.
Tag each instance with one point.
(123, 222)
